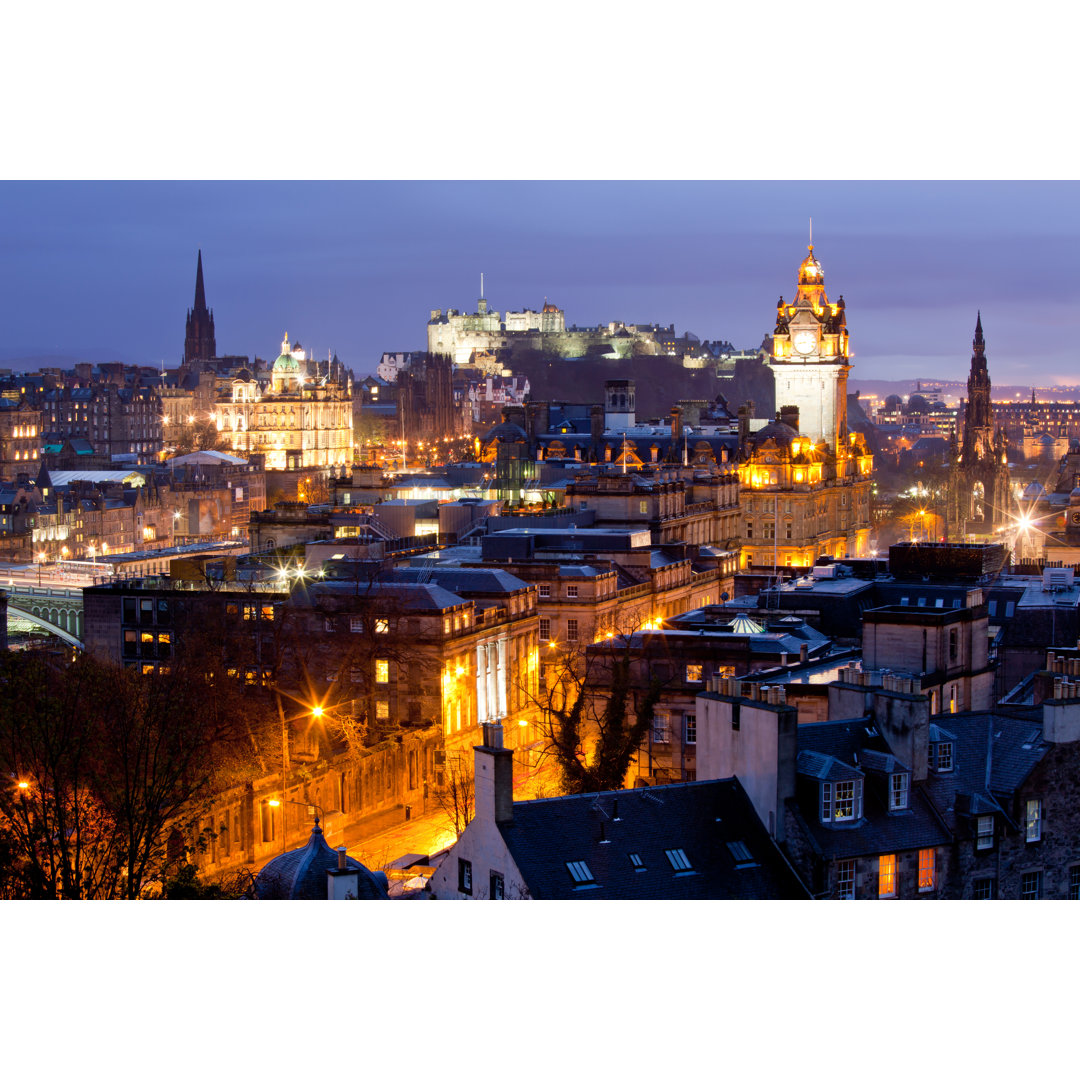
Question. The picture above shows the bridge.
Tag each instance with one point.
(56, 608)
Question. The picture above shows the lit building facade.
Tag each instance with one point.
(301, 420)
(805, 478)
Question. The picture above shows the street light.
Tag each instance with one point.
(317, 713)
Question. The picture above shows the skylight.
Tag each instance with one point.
(580, 872)
(677, 858)
(635, 861)
(741, 854)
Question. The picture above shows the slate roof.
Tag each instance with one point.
(300, 874)
(463, 580)
(993, 754)
(879, 830)
(603, 830)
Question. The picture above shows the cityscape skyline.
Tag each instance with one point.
(102, 271)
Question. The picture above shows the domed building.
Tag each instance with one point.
(300, 420)
(317, 872)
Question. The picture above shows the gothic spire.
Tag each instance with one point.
(978, 345)
(200, 294)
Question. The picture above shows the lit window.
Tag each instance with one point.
(382, 671)
(984, 832)
(845, 879)
(841, 801)
(926, 870)
(690, 729)
(1033, 821)
(1031, 885)
(382, 710)
(643, 506)
(580, 872)
(886, 876)
(982, 889)
(693, 673)
(678, 859)
(382, 626)
(898, 791)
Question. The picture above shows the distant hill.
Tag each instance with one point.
(660, 381)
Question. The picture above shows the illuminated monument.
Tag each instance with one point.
(805, 477)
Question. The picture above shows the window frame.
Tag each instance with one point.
(984, 837)
(690, 729)
(464, 868)
(899, 794)
(1031, 877)
(846, 870)
(1033, 821)
(887, 877)
(927, 870)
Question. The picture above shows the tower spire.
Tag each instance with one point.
(978, 345)
(200, 292)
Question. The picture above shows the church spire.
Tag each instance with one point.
(199, 341)
(200, 292)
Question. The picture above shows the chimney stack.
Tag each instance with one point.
(676, 422)
(493, 777)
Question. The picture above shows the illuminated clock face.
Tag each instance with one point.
(804, 342)
(1076, 517)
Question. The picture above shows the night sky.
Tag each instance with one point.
(106, 270)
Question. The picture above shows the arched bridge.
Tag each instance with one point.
(56, 608)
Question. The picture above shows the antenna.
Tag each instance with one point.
(811, 234)
(481, 284)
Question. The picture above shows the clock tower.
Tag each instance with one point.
(810, 358)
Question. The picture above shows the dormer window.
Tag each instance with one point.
(898, 791)
(841, 801)
(941, 756)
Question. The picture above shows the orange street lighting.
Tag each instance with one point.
(23, 785)
(317, 711)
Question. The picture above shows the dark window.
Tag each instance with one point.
(1031, 885)
(129, 609)
(496, 889)
(464, 876)
(131, 643)
(146, 612)
(982, 889)
(1074, 882)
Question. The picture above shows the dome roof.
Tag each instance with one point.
(1034, 491)
(286, 363)
(506, 432)
(779, 432)
(300, 874)
(810, 272)
(743, 624)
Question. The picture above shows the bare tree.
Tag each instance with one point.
(457, 796)
(597, 709)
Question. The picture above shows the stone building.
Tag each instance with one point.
(806, 479)
(20, 438)
(301, 421)
(979, 499)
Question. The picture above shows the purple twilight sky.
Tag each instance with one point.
(105, 270)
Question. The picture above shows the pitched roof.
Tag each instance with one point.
(677, 842)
